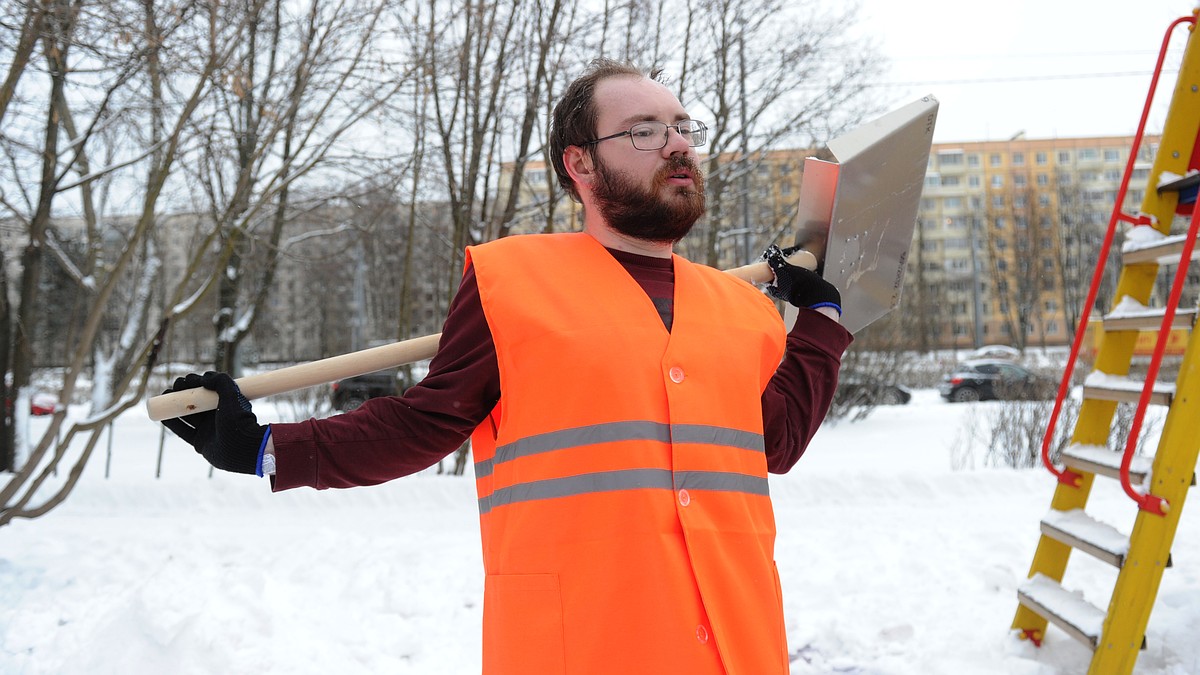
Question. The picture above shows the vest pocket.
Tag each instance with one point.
(522, 625)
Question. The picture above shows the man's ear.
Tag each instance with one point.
(580, 165)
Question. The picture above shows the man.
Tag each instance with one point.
(625, 407)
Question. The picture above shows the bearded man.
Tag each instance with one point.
(624, 405)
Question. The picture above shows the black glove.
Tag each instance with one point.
(799, 286)
(230, 437)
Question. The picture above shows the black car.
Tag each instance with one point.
(855, 390)
(352, 392)
(990, 379)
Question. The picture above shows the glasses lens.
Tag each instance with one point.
(695, 133)
(648, 135)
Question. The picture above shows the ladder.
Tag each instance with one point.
(1158, 487)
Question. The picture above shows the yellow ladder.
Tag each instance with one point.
(1117, 635)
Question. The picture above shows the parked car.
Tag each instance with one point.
(854, 390)
(991, 352)
(43, 404)
(352, 392)
(989, 379)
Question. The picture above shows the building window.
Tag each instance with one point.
(997, 181)
(1064, 156)
(949, 181)
(952, 158)
(1019, 180)
(972, 160)
(1043, 180)
(994, 159)
(1111, 155)
(1018, 159)
(1088, 155)
(973, 181)
(1040, 158)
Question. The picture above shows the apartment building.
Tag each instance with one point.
(1008, 233)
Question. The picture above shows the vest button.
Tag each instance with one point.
(677, 374)
(684, 498)
(702, 634)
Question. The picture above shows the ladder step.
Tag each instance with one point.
(1180, 183)
(1100, 460)
(1125, 317)
(1065, 609)
(1163, 250)
(1105, 387)
(1079, 530)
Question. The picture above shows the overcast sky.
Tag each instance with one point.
(1049, 68)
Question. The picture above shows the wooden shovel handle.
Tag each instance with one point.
(179, 403)
(760, 272)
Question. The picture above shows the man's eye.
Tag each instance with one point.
(641, 132)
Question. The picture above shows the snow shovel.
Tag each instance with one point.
(855, 226)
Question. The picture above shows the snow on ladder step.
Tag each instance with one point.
(1130, 315)
(1101, 460)
(1065, 609)
(1105, 387)
(1079, 530)
(1151, 246)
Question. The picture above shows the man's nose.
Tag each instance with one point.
(676, 143)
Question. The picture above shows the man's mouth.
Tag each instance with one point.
(681, 178)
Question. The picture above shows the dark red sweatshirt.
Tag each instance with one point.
(390, 437)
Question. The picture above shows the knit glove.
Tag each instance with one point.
(230, 437)
(799, 286)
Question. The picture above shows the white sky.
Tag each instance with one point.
(1046, 67)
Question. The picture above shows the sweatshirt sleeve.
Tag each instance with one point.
(395, 436)
(800, 392)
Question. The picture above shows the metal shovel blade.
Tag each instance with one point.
(861, 210)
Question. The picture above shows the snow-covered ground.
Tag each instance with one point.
(892, 562)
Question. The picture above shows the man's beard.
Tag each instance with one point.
(643, 212)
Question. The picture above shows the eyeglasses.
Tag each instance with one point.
(653, 135)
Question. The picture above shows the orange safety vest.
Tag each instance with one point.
(622, 479)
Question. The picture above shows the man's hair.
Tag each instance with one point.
(575, 114)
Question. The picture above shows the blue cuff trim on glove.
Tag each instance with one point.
(262, 449)
(827, 304)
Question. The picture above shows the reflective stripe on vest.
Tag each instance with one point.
(628, 479)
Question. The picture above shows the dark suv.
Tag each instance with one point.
(987, 379)
(352, 392)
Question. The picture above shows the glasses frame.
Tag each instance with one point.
(702, 128)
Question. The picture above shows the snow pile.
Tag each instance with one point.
(891, 563)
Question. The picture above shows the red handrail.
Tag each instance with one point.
(1147, 501)
(1064, 475)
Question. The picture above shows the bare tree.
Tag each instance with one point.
(765, 81)
(132, 267)
(299, 85)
